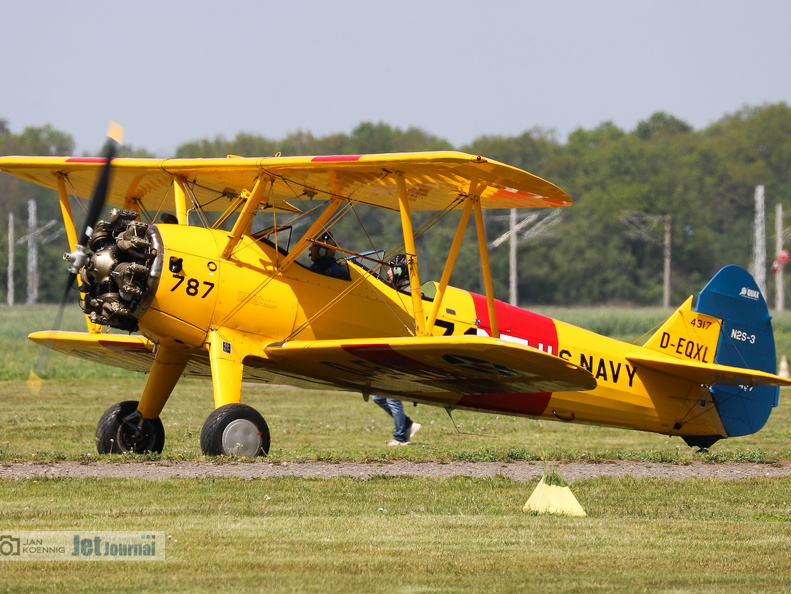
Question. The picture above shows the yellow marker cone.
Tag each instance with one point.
(784, 368)
(34, 383)
(552, 499)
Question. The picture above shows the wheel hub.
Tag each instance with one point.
(241, 438)
(134, 434)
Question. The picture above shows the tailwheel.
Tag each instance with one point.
(235, 430)
(122, 430)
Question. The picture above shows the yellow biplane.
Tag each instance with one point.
(220, 290)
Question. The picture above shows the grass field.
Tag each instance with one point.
(384, 534)
(413, 535)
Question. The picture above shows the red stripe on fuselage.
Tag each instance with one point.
(537, 331)
(532, 405)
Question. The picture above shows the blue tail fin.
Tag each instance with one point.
(747, 341)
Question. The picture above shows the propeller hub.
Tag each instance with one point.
(77, 258)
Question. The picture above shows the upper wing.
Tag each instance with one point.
(435, 180)
(707, 373)
(427, 366)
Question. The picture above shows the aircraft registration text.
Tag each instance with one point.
(685, 347)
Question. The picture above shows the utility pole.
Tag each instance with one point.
(32, 253)
(10, 284)
(759, 241)
(642, 226)
(32, 238)
(777, 267)
(541, 226)
(666, 270)
(513, 294)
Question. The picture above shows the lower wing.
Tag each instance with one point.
(469, 371)
(428, 366)
(132, 352)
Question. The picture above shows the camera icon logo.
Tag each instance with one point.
(8, 545)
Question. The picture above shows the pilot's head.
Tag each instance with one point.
(398, 271)
(317, 252)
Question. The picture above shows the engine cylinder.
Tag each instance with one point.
(122, 274)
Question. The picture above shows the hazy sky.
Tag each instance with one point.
(173, 71)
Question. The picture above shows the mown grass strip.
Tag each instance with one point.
(306, 425)
(408, 534)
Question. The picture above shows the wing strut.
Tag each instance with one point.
(411, 253)
(424, 327)
(71, 235)
(180, 198)
(315, 228)
(65, 209)
(253, 199)
(485, 269)
(449, 264)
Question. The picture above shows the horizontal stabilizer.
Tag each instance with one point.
(706, 373)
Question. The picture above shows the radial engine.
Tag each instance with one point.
(120, 277)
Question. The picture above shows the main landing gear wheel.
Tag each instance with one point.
(235, 430)
(121, 430)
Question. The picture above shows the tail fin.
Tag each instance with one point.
(746, 340)
(728, 328)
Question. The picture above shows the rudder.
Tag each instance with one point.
(745, 340)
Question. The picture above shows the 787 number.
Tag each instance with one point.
(193, 286)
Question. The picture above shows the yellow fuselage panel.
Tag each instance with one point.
(621, 398)
(626, 396)
(185, 301)
(247, 293)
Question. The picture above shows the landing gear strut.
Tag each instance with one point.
(122, 430)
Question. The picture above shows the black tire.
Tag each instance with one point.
(235, 430)
(116, 436)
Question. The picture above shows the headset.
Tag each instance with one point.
(399, 267)
(327, 238)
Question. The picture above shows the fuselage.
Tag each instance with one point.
(250, 295)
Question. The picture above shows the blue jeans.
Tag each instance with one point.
(395, 409)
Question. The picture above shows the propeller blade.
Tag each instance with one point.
(80, 253)
(114, 140)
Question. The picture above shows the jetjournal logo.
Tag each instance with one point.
(81, 546)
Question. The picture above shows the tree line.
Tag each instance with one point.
(704, 179)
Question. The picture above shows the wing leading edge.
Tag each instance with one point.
(436, 180)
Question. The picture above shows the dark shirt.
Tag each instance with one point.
(404, 286)
(328, 266)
